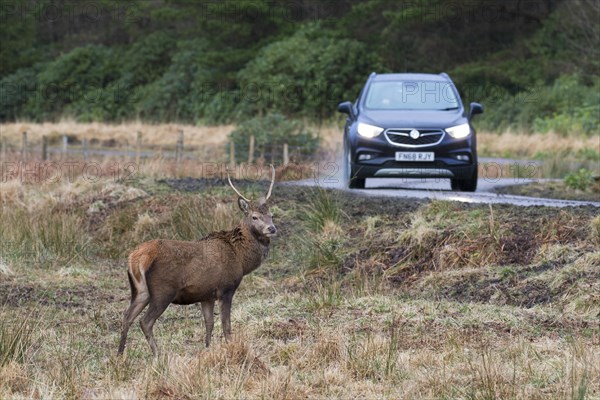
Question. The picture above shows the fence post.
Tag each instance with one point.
(3, 150)
(179, 148)
(44, 148)
(24, 147)
(251, 150)
(138, 148)
(65, 145)
(232, 154)
(286, 155)
(84, 146)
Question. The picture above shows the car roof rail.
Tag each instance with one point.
(371, 76)
(445, 75)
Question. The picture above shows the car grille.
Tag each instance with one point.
(427, 137)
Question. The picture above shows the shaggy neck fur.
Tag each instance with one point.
(250, 247)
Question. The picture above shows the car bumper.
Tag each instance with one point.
(403, 170)
(448, 161)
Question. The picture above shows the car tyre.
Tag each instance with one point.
(350, 179)
(465, 185)
(357, 183)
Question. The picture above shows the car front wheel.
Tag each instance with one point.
(465, 185)
(350, 179)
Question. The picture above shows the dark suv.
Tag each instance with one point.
(410, 126)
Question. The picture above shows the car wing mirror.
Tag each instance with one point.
(476, 108)
(346, 108)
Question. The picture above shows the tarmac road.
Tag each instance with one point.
(439, 189)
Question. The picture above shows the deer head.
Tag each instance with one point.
(256, 214)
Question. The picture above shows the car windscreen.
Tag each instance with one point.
(411, 95)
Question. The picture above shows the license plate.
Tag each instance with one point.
(415, 156)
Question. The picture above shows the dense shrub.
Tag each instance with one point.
(306, 74)
(99, 83)
(77, 77)
(147, 59)
(15, 92)
(580, 180)
(170, 97)
(568, 106)
(18, 35)
(141, 64)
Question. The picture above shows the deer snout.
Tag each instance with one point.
(271, 230)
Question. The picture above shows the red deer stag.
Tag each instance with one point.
(162, 272)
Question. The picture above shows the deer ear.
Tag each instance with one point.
(244, 206)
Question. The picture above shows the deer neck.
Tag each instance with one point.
(252, 249)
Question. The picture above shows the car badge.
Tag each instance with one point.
(415, 134)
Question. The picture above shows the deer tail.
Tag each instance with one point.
(140, 261)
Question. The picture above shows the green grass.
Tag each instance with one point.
(17, 337)
(322, 208)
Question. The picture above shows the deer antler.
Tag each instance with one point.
(272, 182)
(234, 189)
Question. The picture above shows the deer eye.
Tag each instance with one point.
(254, 217)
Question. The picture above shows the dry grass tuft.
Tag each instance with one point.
(331, 230)
(120, 192)
(595, 230)
(165, 392)
(236, 355)
(282, 385)
(13, 379)
(145, 227)
(580, 285)
(555, 252)
(5, 270)
(289, 330)
(328, 349)
(292, 172)
(421, 234)
(437, 238)
(193, 217)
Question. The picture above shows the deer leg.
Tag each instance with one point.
(157, 307)
(135, 308)
(208, 310)
(226, 301)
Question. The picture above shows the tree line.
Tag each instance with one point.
(534, 64)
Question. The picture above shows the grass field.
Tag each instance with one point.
(360, 297)
(507, 144)
(153, 136)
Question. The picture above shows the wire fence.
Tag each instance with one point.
(72, 147)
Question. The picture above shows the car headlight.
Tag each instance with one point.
(459, 131)
(368, 131)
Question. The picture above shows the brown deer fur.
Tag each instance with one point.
(162, 272)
